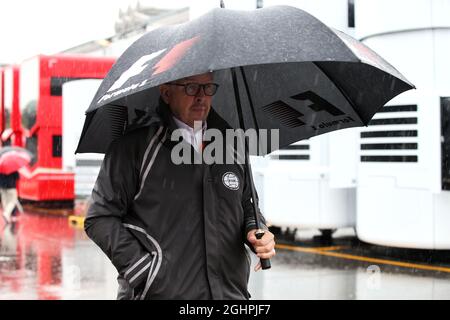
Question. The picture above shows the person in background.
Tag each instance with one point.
(8, 194)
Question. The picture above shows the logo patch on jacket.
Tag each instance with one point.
(230, 180)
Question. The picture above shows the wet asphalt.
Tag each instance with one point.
(44, 255)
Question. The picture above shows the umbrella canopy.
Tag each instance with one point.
(13, 158)
(293, 73)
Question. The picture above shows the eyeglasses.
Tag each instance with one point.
(193, 89)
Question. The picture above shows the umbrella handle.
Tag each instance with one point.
(265, 263)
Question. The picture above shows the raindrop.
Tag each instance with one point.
(392, 84)
(316, 79)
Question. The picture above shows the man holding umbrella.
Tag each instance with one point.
(178, 230)
(175, 231)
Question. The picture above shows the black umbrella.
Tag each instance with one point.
(278, 68)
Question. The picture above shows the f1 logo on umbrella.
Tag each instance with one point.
(290, 117)
(135, 69)
(167, 62)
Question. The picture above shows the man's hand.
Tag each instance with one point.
(264, 247)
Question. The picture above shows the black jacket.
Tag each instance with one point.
(171, 231)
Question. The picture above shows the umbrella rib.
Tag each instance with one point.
(247, 159)
(237, 98)
(250, 100)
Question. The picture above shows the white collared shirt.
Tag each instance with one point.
(194, 136)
